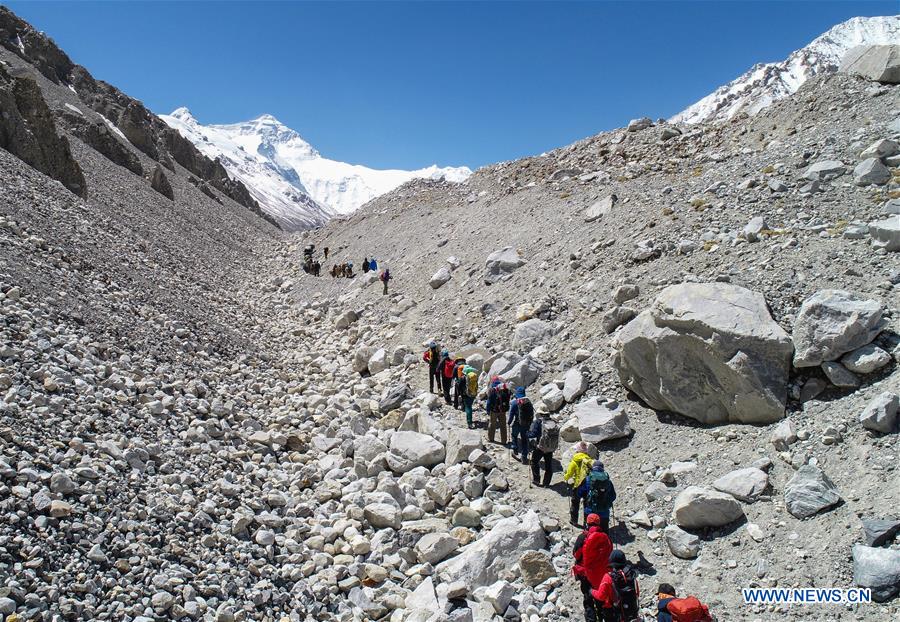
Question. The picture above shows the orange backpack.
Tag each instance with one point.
(688, 609)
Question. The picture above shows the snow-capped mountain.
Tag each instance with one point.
(274, 184)
(288, 177)
(766, 83)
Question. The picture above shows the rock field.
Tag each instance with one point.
(192, 428)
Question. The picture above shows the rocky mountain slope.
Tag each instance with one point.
(192, 428)
(781, 205)
(290, 179)
(766, 83)
(98, 114)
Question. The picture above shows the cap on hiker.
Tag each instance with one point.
(593, 519)
(581, 447)
(617, 559)
(597, 466)
(665, 588)
(520, 391)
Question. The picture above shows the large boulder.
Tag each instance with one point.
(500, 263)
(409, 450)
(831, 323)
(615, 317)
(599, 208)
(383, 515)
(345, 319)
(536, 567)
(825, 170)
(866, 359)
(552, 397)
(361, 358)
(378, 362)
(682, 543)
(460, 444)
(523, 373)
(575, 385)
(601, 421)
(697, 507)
(709, 351)
(873, 62)
(879, 531)
(877, 569)
(439, 278)
(880, 414)
(809, 492)
(501, 363)
(481, 562)
(743, 484)
(532, 333)
(393, 397)
(871, 172)
(368, 455)
(433, 548)
(886, 233)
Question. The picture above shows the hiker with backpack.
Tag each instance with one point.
(576, 476)
(618, 596)
(544, 439)
(447, 366)
(591, 552)
(385, 277)
(580, 572)
(521, 416)
(600, 494)
(670, 608)
(496, 409)
(373, 265)
(432, 356)
(365, 267)
(471, 377)
(459, 383)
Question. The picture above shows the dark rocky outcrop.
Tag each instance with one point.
(27, 130)
(160, 183)
(101, 138)
(143, 129)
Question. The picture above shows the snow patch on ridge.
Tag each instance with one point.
(766, 83)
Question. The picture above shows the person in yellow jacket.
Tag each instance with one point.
(576, 475)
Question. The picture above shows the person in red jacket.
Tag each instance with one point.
(592, 549)
(597, 547)
(618, 597)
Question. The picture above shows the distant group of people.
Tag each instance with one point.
(310, 264)
(342, 270)
(607, 580)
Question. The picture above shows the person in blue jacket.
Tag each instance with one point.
(666, 594)
(521, 416)
(373, 265)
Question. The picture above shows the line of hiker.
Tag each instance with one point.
(342, 270)
(607, 580)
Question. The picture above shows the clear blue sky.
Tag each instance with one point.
(395, 84)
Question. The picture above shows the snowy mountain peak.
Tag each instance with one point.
(289, 178)
(766, 83)
(183, 114)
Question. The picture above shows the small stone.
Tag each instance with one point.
(60, 509)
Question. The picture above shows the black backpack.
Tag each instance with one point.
(526, 412)
(627, 591)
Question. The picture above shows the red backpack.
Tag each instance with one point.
(449, 366)
(688, 609)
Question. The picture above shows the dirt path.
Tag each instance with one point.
(550, 502)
